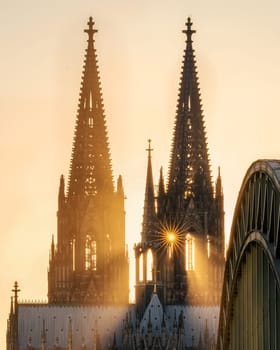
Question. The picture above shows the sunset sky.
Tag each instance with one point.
(140, 49)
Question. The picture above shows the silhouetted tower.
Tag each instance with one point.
(89, 263)
(187, 242)
(145, 272)
(12, 324)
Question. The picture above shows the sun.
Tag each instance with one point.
(171, 236)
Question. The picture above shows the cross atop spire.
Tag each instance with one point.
(90, 29)
(189, 32)
(149, 149)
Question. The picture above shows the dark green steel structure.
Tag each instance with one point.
(250, 306)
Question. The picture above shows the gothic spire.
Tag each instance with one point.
(189, 162)
(52, 248)
(120, 189)
(161, 190)
(90, 169)
(61, 194)
(149, 203)
(12, 306)
(161, 193)
(219, 187)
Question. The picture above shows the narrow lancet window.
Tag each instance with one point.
(190, 253)
(90, 122)
(74, 254)
(90, 101)
(208, 247)
(90, 254)
(149, 265)
(189, 103)
(141, 269)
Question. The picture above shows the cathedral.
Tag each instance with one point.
(179, 260)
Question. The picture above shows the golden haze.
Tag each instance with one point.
(139, 46)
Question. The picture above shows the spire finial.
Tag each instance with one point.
(149, 149)
(16, 290)
(189, 32)
(90, 29)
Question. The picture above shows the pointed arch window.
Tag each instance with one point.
(149, 265)
(74, 253)
(190, 253)
(189, 103)
(141, 268)
(208, 247)
(90, 101)
(90, 253)
(90, 122)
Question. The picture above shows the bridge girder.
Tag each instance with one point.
(250, 305)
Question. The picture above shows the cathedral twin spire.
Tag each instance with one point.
(90, 247)
(189, 163)
(184, 220)
(89, 262)
(90, 170)
(189, 167)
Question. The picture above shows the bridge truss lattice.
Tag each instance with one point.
(250, 306)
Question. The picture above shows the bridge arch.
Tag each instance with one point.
(250, 305)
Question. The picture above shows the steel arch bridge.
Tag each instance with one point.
(250, 305)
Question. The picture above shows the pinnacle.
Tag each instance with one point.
(90, 31)
(149, 206)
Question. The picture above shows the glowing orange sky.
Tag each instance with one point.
(140, 49)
